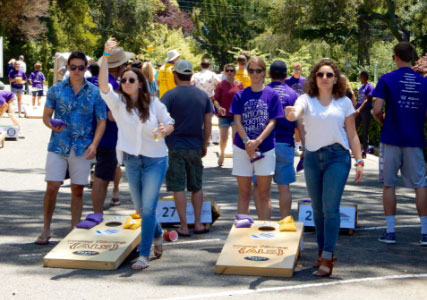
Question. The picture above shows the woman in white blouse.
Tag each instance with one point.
(142, 121)
(330, 132)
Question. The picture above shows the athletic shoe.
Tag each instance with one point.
(388, 238)
(423, 241)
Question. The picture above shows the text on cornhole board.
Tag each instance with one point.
(348, 215)
(251, 251)
(166, 212)
(103, 247)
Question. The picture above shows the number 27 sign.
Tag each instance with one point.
(166, 212)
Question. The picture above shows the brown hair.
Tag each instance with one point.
(144, 96)
(147, 70)
(259, 61)
(38, 66)
(339, 88)
(405, 51)
(230, 66)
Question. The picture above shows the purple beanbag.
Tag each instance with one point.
(91, 221)
(244, 223)
(300, 165)
(57, 123)
(243, 217)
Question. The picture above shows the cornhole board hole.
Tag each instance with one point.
(251, 251)
(11, 131)
(103, 247)
(33, 112)
(166, 212)
(348, 214)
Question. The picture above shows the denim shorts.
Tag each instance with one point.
(226, 121)
(17, 91)
(38, 93)
(285, 171)
(410, 162)
(185, 169)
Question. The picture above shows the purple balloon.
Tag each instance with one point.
(57, 123)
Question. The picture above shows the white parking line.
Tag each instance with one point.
(192, 242)
(298, 287)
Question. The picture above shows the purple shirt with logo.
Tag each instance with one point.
(13, 74)
(6, 96)
(37, 78)
(296, 84)
(284, 130)
(256, 110)
(405, 94)
(365, 91)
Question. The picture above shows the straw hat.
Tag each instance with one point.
(172, 55)
(117, 57)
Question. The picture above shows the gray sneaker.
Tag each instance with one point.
(388, 238)
(423, 241)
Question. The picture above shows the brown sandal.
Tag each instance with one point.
(325, 268)
(318, 260)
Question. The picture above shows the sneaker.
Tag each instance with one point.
(423, 241)
(388, 238)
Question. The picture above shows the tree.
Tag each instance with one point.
(174, 18)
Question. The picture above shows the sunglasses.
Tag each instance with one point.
(229, 70)
(74, 67)
(296, 70)
(252, 71)
(131, 80)
(321, 75)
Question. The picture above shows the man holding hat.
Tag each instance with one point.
(165, 79)
(284, 131)
(191, 109)
(107, 167)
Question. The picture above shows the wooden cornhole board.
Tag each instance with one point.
(33, 112)
(102, 247)
(250, 251)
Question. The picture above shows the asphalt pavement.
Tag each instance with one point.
(366, 269)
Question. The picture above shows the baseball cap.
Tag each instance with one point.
(183, 66)
(278, 67)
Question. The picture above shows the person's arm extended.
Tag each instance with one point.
(103, 70)
(378, 110)
(207, 129)
(353, 139)
(99, 132)
(293, 113)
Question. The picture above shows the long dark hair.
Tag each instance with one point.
(144, 96)
(311, 88)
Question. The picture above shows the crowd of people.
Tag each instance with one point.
(159, 127)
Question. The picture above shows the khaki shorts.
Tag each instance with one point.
(78, 168)
(242, 165)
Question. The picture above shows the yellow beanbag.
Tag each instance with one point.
(287, 224)
(132, 223)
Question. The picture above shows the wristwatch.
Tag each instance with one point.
(359, 162)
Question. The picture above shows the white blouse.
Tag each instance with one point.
(135, 137)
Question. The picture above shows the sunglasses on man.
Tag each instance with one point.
(74, 67)
(229, 70)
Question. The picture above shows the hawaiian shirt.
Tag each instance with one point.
(206, 80)
(77, 111)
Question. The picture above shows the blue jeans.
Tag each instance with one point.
(145, 176)
(326, 172)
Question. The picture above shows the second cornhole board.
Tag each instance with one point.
(103, 247)
(251, 251)
(33, 112)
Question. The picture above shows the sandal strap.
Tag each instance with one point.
(141, 263)
(158, 241)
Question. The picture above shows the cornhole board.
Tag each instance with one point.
(103, 247)
(11, 131)
(250, 251)
(166, 211)
(33, 112)
(348, 214)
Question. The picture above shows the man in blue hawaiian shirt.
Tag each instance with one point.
(73, 143)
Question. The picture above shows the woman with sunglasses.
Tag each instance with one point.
(140, 117)
(224, 93)
(255, 111)
(330, 132)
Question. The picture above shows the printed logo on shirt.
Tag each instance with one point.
(255, 117)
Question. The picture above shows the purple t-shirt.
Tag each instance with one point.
(365, 91)
(6, 96)
(257, 109)
(405, 94)
(296, 84)
(111, 80)
(37, 78)
(284, 130)
(13, 74)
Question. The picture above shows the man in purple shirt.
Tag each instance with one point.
(404, 93)
(7, 103)
(296, 81)
(363, 109)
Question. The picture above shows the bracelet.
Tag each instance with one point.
(106, 54)
(245, 139)
(359, 162)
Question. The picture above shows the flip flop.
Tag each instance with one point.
(201, 231)
(183, 234)
(41, 241)
(115, 202)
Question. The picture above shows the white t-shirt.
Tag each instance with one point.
(206, 80)
(135, 137)
(325, 125)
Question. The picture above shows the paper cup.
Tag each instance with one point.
(171, 236)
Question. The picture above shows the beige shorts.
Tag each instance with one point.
(78, 168)
(242, 165)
